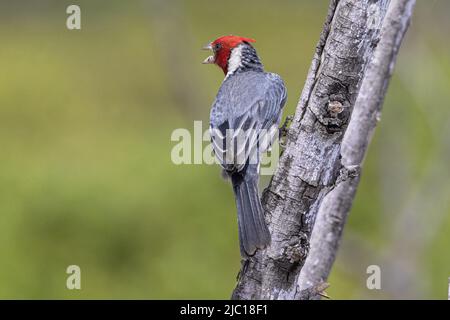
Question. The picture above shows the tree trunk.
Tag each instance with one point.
(318, 172)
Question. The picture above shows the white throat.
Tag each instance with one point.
(235, 60)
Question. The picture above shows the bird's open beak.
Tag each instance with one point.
(207, 47)
(210, 59)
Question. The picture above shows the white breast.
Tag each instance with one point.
(235, 60)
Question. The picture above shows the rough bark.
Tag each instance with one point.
(334, 209)
(311, 165)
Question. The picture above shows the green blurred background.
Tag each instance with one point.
(85, 171)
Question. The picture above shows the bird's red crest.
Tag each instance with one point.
(222, 49)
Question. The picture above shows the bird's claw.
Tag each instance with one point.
(283, 132)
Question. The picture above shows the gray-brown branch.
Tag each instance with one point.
(341, 78)
(334, 209)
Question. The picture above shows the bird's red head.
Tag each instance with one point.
(222, 48)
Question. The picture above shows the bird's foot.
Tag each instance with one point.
(283, 132)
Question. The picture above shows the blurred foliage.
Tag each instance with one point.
(86, 177)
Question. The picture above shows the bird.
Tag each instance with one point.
(244, 121)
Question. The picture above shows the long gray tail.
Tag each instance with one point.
(253, 232)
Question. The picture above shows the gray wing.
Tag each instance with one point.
(245, 117)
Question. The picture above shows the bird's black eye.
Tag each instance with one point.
(217, 46)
